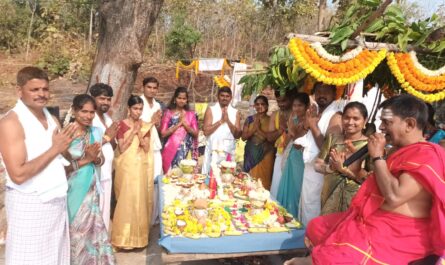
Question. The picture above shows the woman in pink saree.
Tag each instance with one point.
(179, 127)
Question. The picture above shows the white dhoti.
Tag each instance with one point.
(310, 203)
(276, 177)
(157, 165)
(37, 232)
(105, 201)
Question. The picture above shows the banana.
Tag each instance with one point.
(257, 230)
(277, 229)
(233, 233)
(192, 236)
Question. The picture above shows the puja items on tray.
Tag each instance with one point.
(241, 205)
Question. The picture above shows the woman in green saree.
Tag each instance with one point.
(341, 183)
(259, 153)
(89, 239)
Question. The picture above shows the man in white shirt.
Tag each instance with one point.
(323, 119)
(221, 127)
(102, 94)
(31, 144)
(152, 112)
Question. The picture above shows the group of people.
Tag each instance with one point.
(59, 180)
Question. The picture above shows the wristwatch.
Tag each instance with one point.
(378, 158)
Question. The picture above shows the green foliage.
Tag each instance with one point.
(14, 21)
(392, 27)
(182, 39)
(55, 63)
(282, 74)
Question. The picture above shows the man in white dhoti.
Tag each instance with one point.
(31, 145)
(152, 112)
(326, 119)
(277, 133)
(221, 127)
(102, 94)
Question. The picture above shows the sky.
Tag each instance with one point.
(430, 6)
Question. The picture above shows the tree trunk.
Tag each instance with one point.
(123, 34)
(322, 6)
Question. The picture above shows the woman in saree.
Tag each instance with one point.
(89, 239)
(289, 189)
(179, 126)
(133, 184)
(259, 153)
(341, 183)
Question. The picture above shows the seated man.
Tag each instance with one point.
(398, 215)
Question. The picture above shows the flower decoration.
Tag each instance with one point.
(335, 58)
(341, 73)
(221, 81)
(421, 68)
(400, 68)
(416, 76)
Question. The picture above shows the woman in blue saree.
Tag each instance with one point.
(89, 239)
(289, 190)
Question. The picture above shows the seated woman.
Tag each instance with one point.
(258, 152)
(431, 132)
(289, 190)
(89, 238)
(179, 126)
(133, 183)
(341, 183)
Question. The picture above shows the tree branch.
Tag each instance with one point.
(371, 18)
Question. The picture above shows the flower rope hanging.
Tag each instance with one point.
(425, 71)
(413, 80)
(321, 51)
(358, 67)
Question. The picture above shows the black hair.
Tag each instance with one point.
(225, 89)
(150, 79)
(180, 89)
(321, 84)
(80, 100)
(357, 105)
(30, 72)
(263, 98)
(407, 106)
(431, 113)
(133, 100)
(288, 95)
(101, 89)
(303, 98)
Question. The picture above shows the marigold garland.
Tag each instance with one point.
(396, 71)
(425, 71)
(335, 73)
(321, 51)
(220, 81)
(415, 77)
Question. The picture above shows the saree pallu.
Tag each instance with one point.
(365, 234)
(289, 190)
(133, 187)
(180, 142)
(90, 243)
(259, 154)
(337, 191)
